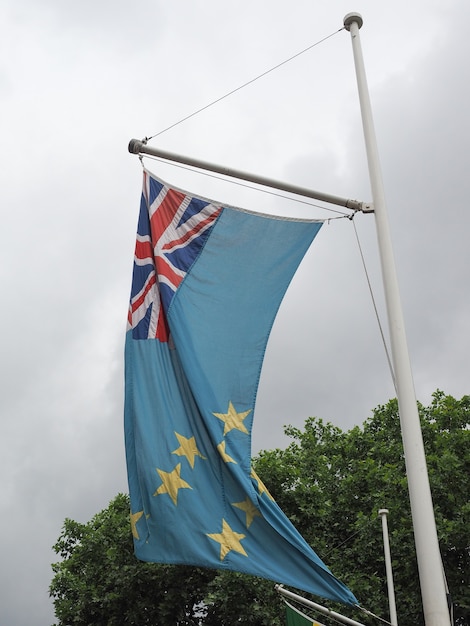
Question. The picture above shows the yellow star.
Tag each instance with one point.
(229, 540)
(232, 419)
(261, 488)
(250, 509)
(135, 517)
(172, 482)
(226, 457)
(188, 448)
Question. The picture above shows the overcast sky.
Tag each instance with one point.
(77, 81)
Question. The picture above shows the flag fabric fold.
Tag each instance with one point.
(207, 284)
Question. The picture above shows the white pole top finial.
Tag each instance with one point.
(352, 17)
(383, 512)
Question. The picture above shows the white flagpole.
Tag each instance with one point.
(317, 607)
(388, 568)
(436, 612)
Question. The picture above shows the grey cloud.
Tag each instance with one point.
(77, 82)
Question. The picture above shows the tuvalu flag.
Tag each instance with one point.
(207, 284)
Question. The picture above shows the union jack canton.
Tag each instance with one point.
(173, 228)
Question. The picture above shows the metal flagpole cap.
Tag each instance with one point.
(383, 512)
(352, 17)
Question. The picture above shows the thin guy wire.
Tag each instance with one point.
(337, 547)
(387, 354)
(234, 182)
(360, 530)
(242, 86)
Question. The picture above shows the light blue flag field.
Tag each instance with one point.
(207, 283)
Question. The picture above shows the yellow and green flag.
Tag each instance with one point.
(296, 618)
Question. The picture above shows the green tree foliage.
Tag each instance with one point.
(331, 484)
(100, 582)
